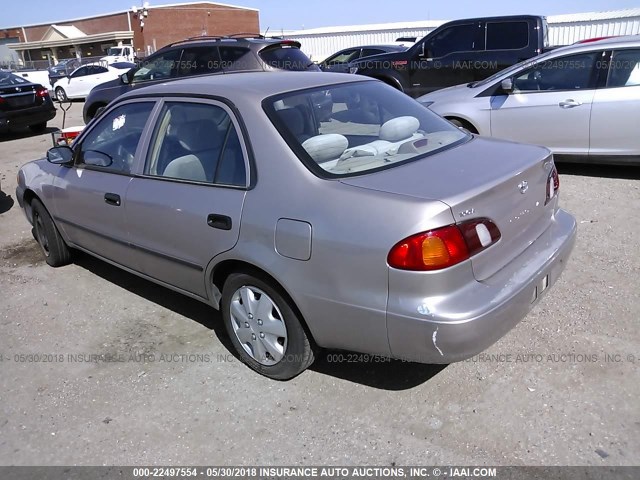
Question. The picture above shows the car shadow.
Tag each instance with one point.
(6, 202)
(626, 172)
(378, 373)
(25, 133)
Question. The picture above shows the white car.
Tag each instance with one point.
(84, 78)
(580, 101)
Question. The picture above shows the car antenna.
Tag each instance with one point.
(265, 32)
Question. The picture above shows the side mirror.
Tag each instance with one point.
(124, 78)
(507, 85)
(60, 155)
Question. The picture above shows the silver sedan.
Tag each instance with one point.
(580, 101)
(315, 210)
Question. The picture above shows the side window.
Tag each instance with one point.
(458, 38)
(624, 69)
(163, 65)
(196, 142)
(507, 35)
(81, 72)
(367, 52)
(199, 60)
(344, 57)
(98, 69)
(236, 58)
(112, 143)
(573, 72)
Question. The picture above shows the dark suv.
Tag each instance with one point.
(201, 56)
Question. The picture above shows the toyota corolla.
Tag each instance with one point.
(365, 222)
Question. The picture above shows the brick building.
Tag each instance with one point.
(146, 28)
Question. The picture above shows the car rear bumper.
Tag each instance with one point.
(23, 118)
(456, 326)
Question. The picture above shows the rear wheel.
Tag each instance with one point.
(56, 252)
(264, 328)
(61, 95)
(38, 127)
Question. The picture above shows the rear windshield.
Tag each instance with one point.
(8, 79)
(349, 129)
(286, 57)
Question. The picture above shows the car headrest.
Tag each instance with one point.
(399, 128)
(293, 119)
(199, 135)
(323, 148)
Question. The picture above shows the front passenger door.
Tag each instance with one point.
(90, 195)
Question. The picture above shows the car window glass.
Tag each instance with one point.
(199, 60)
(157, 67)
(367, 52)
(355, 128)
(196, 142)
(81, 72)
(98, 69)
(7, 79)
(458, 38)
(507, 35)
(572, 72)
(624, 69)
(235, 58)
(112, 143)
(344, 57)
(286, 57)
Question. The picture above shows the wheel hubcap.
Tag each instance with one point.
(42, 238)
(258, 325)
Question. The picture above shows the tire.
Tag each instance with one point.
(38, 127)
(56, 252)
(93, 111)
(61, 95)
(283, 350)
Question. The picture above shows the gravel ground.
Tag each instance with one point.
(561, 388)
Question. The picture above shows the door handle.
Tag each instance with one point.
(112, 199)
(221, 222)
(569, 103)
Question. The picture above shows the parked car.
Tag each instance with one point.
(382, 229)
(580, 101)
(83, 79)
(460, 51)
(201, 56)
(62, 69)
(339, 61)
(124, 53)
(23, 104)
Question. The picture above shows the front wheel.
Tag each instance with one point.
(61, 95)
(56, 252)
(264, 328)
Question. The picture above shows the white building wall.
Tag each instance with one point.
(319, 43)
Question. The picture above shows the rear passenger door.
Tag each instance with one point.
(185, 207)
(614, 115)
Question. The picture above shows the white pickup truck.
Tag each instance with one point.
(124, 53)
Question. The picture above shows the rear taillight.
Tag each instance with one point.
(443, 247)
(553, 184)
(41, 92)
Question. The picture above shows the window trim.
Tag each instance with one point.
(609, 59)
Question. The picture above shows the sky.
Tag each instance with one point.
(296, 15)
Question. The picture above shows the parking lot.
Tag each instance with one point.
(101, 367)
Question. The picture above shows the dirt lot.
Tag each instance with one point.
(561, 389)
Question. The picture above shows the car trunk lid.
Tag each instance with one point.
(483, 178)
(18, 96)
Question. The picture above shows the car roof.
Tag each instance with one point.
(254, 85)
(613, 42)
(246, 41)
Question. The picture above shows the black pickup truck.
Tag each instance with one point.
(459, 52)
